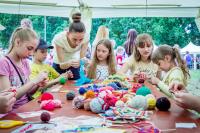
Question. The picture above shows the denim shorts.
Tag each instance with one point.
(75, 71)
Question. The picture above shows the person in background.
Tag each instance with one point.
(120, 56)
(70, 47)
(130, 42)
(103, 61)
(169, 60)
(26, 23)
(188, 59)
(102, 33)
(15, 70)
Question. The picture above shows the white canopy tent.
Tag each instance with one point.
(104, 8)
(192, 49)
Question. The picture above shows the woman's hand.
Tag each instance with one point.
(187, 100)
(67, 75)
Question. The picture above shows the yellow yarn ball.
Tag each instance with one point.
(151, 103)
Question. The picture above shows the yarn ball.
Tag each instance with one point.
(143, 91)
(46, 96)
(50, 104)
(82, 91)
(135, 87)
(109, 100)
(118, 84)
(151, 103)
(124, 99)
(78, 102)
(114, 86)
(90, 94)
(119, 103)
(150, 96)
(70, 95)
(163, 104)
(87, 105)
(139, 102)
(109, 113)
(45, 117)
(96, 105)
(47, 105)
(62, 80)
(141, 81)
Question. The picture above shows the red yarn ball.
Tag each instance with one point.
(46, 96)
(45, 117)
(50, 106)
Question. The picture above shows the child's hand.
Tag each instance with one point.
(154, 80)
(41, 79)
(140, 77)
(7, 100)
(174, 87)
(69, 74)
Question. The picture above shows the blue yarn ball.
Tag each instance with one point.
(114, 86)
(82, 91)
(118, 84)
(70, 95)
(109, 113)
(96, 105)
(143, 91)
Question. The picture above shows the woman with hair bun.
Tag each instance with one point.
(70, 46)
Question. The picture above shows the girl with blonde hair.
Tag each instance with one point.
(15, 70)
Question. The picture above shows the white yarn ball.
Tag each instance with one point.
(139, 102)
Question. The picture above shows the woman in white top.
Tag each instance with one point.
(70, 47)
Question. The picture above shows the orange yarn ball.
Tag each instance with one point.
(90, 94)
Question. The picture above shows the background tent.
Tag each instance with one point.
(192, 49)
(104, 8)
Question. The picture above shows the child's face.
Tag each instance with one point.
(145, 50)
(102, 52)
(164, 65)
(27, 48)
(40, 55)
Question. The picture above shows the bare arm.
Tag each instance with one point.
(5, 84)
(60, 55)
(84, 49)
(124, 69)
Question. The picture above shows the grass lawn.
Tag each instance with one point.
(194, 82)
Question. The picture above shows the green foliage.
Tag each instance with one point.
(163, 30)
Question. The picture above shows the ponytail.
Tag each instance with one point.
(24, 34)
(181, 62)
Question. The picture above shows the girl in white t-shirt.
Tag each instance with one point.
(103, 62)
(140, 63)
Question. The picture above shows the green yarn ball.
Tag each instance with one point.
(62, 81)
(143, 91)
